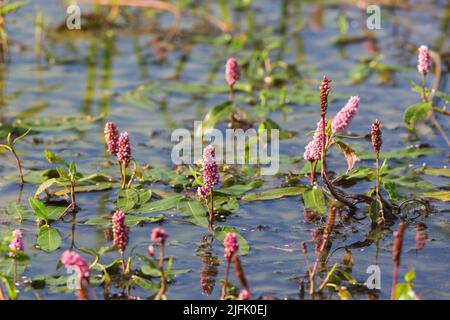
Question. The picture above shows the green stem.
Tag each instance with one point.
(225, 281)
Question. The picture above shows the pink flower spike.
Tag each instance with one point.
(424, 60)
(111, 137)
(232, 72)
(159, 235)
(120, 231)
(203, 192)
(16, 243)
(231, 245)
(124, 149)
(345, 116)
(210, 168)
(244, 295)
(313, 150)
(71, 259)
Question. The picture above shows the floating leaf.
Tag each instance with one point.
(444, 172)
(275, 193)
(220, 233)
(49, 238)
(160, 205)
(102, 186)
(195, 210)
(314, 199)
(239, 189)
(439, 195)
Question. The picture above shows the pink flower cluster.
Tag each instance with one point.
(120, 231)
(231, 245)
(72, 259)
(124, 149)
(16, 243)
(313, 150)
(232, 72)
(343, 118)
(111, 137)
(424, 63)
(159, 235)
(210, 168)
(203, 192)
(118, 145)
(244, 295)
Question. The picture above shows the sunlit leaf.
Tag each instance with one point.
(275, 193)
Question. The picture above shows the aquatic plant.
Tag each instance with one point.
(16, 243)
(377, 141)
(232, 74)
(159, 235)
(231, 247)
(211, 178)
(119, 145)
(120, 235)
(10, 146)
(72, 260)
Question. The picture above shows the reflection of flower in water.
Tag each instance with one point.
(209, 269)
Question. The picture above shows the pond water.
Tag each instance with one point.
(106, 70)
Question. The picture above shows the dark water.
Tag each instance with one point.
(87, 72)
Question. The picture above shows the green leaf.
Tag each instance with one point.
(145, 284)
(18, 211)
(195, 210)
(215, 115)
(49, 238)
(144, 195)
(444, 172)
(134, 220)
(55, 212)
(439, 195)
(39, 209)
(403, 291)
(220, 232)
(150, 268)
(10, 286)
(314, 199)
(410, 153)
(239, 189)
(359, 73)
(53, 158)
(415, 113)
(45, 185)
(274, 193)
(127, 199)
(392, 191)
(225, 203)
(410, 276)
(130, 220)
(160, 205)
